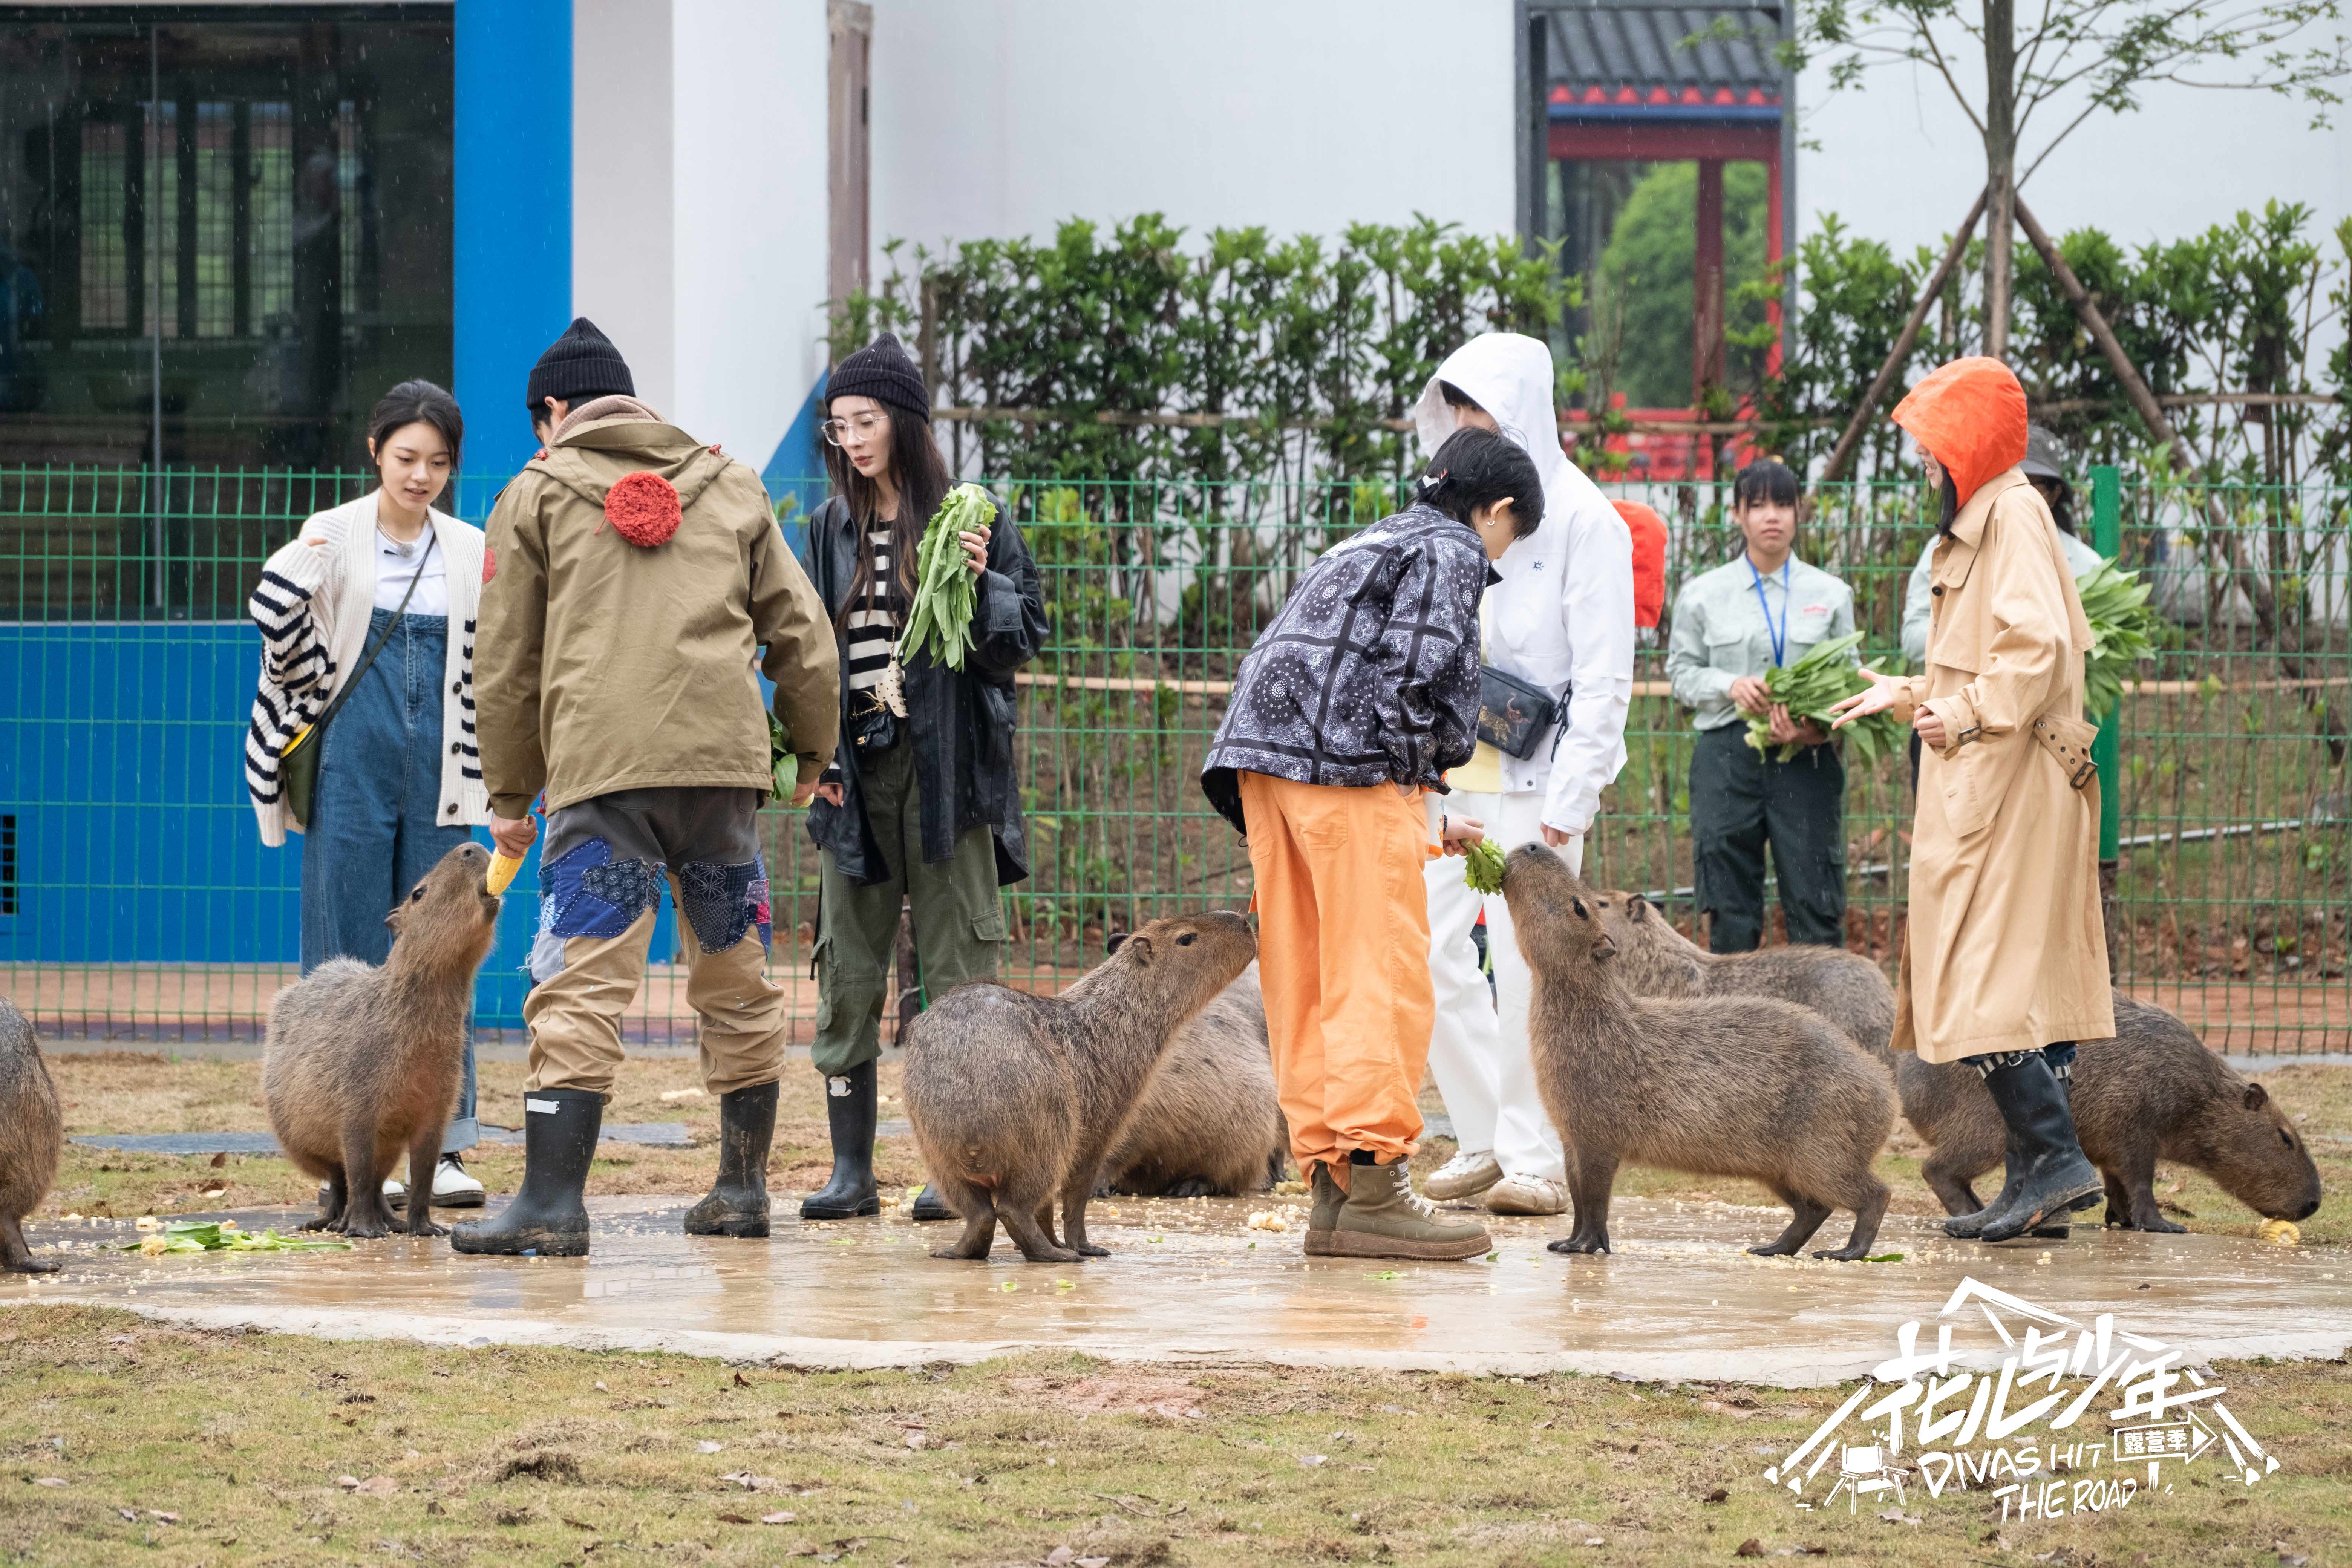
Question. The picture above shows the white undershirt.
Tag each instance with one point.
(395, 563)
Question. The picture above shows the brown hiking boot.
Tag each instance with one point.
(1326, 1213)
(1384, 1217)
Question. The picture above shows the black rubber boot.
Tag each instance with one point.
(738, 1204)
(2053, 1176)
(849, 1113)
(1968, 1226)
(928, 1206)
(547, 1218)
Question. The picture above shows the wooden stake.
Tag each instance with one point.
(1849, 443)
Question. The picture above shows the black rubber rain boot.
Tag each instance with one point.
(738, 1204)
(928, 1206)
(1968, 1226)
(2054, 1175)
(849, 1112)
(547, 1218)
(2065, 1078)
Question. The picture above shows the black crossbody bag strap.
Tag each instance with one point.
(343, 696)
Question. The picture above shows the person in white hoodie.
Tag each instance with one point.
(1560, 619)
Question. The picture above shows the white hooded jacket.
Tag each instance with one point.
(1563, 616)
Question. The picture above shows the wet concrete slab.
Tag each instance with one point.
(1679, 1299)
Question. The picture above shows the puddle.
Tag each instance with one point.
(1680, 1299)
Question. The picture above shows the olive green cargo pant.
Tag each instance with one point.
(959, 918)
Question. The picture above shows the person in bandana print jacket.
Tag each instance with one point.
(635, 579)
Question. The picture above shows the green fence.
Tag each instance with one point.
(135, 900)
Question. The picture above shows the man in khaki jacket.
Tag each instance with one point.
(632, 579)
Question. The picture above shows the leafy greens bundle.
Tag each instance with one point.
(1810, 688)
(940, 617)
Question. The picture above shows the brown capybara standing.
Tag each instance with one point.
(1210, 1125)
(1654, 958)
(1017, 1099)
(2154, 1092)
(32, 1135)
(363, 1063)
(1722, 1087)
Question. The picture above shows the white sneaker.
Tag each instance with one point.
(1527, 1194)
(452, 1188)
(396, 1195)
(1466, 1176)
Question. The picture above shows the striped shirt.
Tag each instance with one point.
(872, 623)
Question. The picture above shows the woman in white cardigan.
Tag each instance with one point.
(400, 776)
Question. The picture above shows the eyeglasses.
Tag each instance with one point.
(865, 425)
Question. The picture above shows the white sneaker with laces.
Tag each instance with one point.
(1466, 1176)
(452, 1188)
(396, 1195)
(1527, 1194)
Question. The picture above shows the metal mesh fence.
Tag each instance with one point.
(136, 900)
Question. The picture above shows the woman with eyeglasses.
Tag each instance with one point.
(920, 805)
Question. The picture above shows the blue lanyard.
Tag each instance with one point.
(1781, 636)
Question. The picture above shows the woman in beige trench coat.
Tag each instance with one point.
(2005, 962)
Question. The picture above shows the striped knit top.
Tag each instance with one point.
(873, 622)
(313, 606)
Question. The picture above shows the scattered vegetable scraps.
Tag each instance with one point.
(222, 1235)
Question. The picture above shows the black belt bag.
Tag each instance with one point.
(1513, 715)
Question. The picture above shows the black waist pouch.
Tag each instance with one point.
(1513, 715)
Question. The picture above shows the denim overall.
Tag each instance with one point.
(373, 831)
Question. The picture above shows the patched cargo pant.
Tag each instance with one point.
(959, 917)
(601, 872)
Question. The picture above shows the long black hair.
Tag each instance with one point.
(417, 403)
(1475, 468)
(921, 474)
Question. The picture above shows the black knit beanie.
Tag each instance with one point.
(581, 364)
(882, 371)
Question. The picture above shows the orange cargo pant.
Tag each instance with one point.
(1343, 959)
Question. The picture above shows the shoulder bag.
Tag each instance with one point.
(298, 765)
(1512, 714)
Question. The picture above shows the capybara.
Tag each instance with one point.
(363, 1063)
(1210, 1124)
(32, 1135)
(1717, 1086)
(1655, 960)
(1015, 1098)
(2154, 1092)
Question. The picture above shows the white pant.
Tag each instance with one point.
(1478, 1045)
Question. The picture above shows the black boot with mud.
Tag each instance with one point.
(547, 1218)
(850, 1112)
(2055, 1177)
(928, 1206)
(738, 1202)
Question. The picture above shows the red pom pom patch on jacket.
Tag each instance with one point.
(642, 508)
(489, 563)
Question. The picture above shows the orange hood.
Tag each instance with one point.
(1971, 415)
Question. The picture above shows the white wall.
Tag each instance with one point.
(623, 193)
(750, 216)
(1001, 118)
(698, 205)
(1899, 161)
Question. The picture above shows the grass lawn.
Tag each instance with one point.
(185, 1447)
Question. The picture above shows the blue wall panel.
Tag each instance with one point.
(512, 254)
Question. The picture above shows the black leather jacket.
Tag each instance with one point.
(961, 724)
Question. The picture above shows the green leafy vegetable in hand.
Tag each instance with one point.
(940, 617)
(784, 767)
(1482, 867)
(1816, 683)
(222, 1235)
(2124, 631)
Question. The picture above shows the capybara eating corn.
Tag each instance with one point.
(1017, 1099)
(1718, 1086)
(363, 1063)
(1210, 1125)
(32, 1135)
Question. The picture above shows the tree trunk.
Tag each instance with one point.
(2000, 167)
